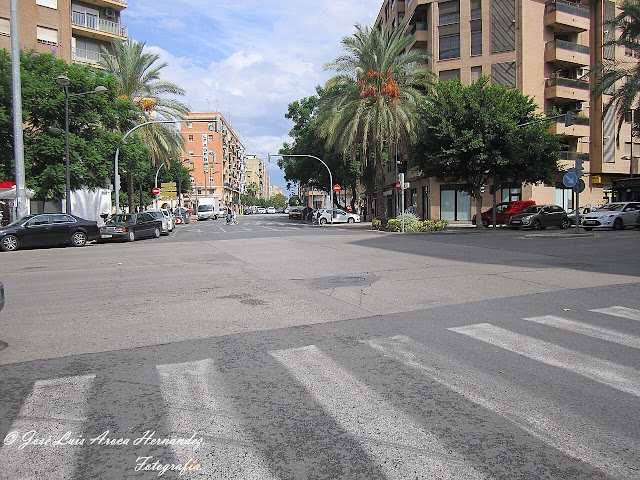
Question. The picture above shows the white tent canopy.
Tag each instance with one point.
(10, 193)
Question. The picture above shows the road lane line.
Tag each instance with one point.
(617, 311)
(546, 420)
(399, 446)
(588, 330)
(197, 404)
(620, 377)
(55, 410)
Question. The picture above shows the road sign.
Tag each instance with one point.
(570, 179)
(155, 190)
(336, 188)
(398, 185)
(580, 186)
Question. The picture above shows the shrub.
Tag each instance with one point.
(376, 224)
(394, 225)
(409, 218)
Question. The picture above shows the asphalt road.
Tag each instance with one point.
(279, 350)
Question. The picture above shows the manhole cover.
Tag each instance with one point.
(346, 279)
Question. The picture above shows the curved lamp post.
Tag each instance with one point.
(322, 162)
(64, 82)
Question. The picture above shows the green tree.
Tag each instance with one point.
(374, 99)
(138, 75)
(94, 121)
(621, 76)
(253, 189)
(471, 136)
(278, 200)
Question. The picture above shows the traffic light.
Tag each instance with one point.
(578, 169)
(569, 118)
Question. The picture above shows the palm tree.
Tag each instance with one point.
(374, 98)
(624, 73)
(139, 75)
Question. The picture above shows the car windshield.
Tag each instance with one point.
(205, 208)
(612, 207)
(532, 209)
(18, 221)
(122, 218)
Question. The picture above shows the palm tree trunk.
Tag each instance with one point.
(131, 192)
(381, 210)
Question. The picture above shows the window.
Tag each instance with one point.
(449, 12)
(48, 36)
(211, 138)
(189, 124)
(476, 9)
(39, 220)
(476, 43)
(449, 46)
(62, 218)
(476, 73)
(190, 152)
(445, 75)
(48, 3)
(5, 26)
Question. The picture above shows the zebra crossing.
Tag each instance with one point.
(210, 437)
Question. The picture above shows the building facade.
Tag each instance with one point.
(258, 173)
(215, 156)
(75, 31)
(544, 49)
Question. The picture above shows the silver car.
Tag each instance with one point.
(158, 215)
(615, 215)
(340, 216)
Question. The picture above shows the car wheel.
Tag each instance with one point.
(78, 239)
(618, 224)
(588, 229)
(156, 232)
(323, 221)
(536, 225)
(565, 223)
(131, 236)
(9, 243)
(351, 220)
(485, 223)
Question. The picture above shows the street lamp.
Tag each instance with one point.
(64, 82)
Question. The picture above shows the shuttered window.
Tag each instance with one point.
(47, 35)
(48, 3)
(5, 26)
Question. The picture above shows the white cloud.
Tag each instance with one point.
(250, 59)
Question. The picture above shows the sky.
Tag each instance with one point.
(248, 59)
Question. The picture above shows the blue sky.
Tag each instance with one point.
(248, 59)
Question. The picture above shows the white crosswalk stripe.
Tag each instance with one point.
(198, 404)
(400, 447)
(51, 417)
(618, 311)
(620, 377)
(545, 419)
(586, 329)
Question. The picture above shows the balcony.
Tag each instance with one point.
(98, 28)
(566, 17)
(566, 54)
(81, 55)
(566, 90)
(115, 4)
(580, 128)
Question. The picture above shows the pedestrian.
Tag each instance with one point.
(233, 217)
(229, 216)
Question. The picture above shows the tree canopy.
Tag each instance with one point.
(473, 135)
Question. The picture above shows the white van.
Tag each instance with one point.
(208, 207)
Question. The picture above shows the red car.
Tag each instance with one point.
(504, 211)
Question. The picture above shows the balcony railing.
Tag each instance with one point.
(86, 56)
(567, 7)
(566, 82)
(92, 22)
(571, 156)
(564, 45)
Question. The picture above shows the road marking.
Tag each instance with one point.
(620, 377)
(55, 410)
(222, 229)
(400, 447)
(544, 419)
(617, 311)
(197, 404)
(586, 329)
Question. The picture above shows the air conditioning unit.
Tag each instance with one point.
(582, 72)
(110, 13)
(579, 106)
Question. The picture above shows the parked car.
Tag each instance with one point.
(271, 210)
(262, 210)
(280, 210)
(48, 229)
(295, 213)
(571, 215)
(615, 215)
(341, 216)
(504, 211)
(157, 214)
(538, 217)
(130, 227)
(182, 215)
(286, 209)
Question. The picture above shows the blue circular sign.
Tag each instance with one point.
(570, 179)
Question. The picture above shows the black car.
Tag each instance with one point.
(130, 227)
(47, 229)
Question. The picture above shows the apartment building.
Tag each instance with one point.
(71, 29)
(216, 157)
(258, 173)
(543, 49)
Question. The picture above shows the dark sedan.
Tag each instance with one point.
(48, 229)
(538, 217)
(130, 227)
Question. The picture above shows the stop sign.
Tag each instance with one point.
(155, 190)
(336, 188)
